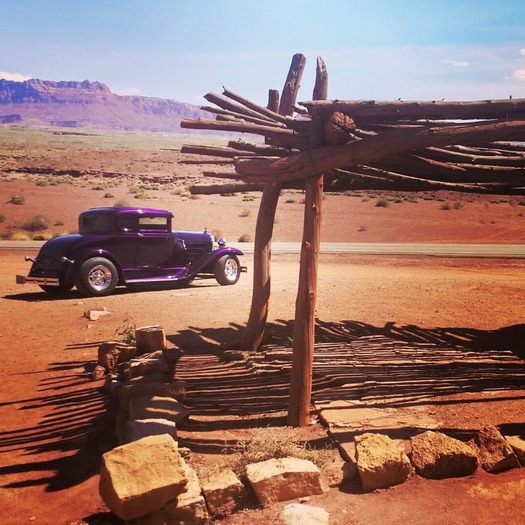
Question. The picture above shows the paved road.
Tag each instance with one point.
(511, 251)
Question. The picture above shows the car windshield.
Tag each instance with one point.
(99, 223)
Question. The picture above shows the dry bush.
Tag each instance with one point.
(268, 443)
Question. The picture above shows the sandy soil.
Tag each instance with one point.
(57, 422)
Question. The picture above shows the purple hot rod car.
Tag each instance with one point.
(129, 246)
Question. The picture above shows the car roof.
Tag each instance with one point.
(127, 210)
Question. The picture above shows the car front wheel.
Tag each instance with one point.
(227, 270)
(97, 277)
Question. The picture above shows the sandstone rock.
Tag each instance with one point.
(98, 373)
(437, 456)
(380, 463)
(112, 353)
(140, 428)
(518, 446)
(189, 508)
(158, 407)
(222, 490)
(283, 479)
(494, 453)
(142, 367)
(142, 477)
(175, 389)
(298, 514)
(150, 339)
(96, 313)
(339, 472)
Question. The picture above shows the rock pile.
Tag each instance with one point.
(146, 480)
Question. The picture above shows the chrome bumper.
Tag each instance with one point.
(44, 281)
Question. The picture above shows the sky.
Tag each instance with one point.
(183, 49)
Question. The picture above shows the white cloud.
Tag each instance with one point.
(16, 77)
(456, 63)
(518, 75)
(522, 53)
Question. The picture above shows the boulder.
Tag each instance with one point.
(150, 339)
(494, 453)
(283, 479)
(222, 490)
(380, 463)
(142, 477)
(518, 446)
(299, 514)
(157, 407)
(113, 353)
(140, 428)
(189, 508)
(142, 367)
(175, 390)
(437, 456)
(338, 472)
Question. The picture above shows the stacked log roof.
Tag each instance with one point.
(476, 146)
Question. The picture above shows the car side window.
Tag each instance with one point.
(154, 223)
(127, 223)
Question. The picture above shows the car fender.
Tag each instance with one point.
(74, 268)
(206, 264)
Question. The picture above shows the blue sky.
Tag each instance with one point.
(181, 49)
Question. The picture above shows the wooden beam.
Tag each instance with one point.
(219, 189)
(367, 151)
(292, 84)
(372, 110)
(215, 151)
(285, 135)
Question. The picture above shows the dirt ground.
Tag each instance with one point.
(56, 421)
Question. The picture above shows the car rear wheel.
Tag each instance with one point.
(227, 270)
(97, 276)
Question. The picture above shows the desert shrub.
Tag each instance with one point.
(17, 200)
(42, 237)
(248, 198)
(126, 331)
(269, 443)
(2, 217)
(245, 237)
(445, 206)
(245, 213)
(457, 205)
(41, 182)
(290, 201)
(98, 187)
(362, 228)
(121, 203)
(20, 236)
(381, 203)
(59, 223)
(36, 223)
(108, 195)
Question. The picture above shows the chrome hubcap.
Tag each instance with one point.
(100, 277)
(231, 269)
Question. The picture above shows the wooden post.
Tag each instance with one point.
(254, 332)
(304, 326)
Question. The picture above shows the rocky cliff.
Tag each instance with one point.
(87, 104)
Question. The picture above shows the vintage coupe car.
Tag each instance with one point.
(129, 246)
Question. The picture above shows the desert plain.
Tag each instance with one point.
(57, 421)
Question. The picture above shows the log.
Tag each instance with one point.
(229, 105)
(287, 136)
(304, 324)
(239, 116)
(367, 151)
(215, 151)
(292, 84)
(384, 111)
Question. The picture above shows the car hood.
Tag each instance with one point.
(59, 246)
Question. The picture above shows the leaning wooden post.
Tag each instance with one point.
(254, 332)
(304, 326)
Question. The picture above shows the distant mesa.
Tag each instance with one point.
(37, 102)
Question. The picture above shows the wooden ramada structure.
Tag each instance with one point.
(344, 144)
